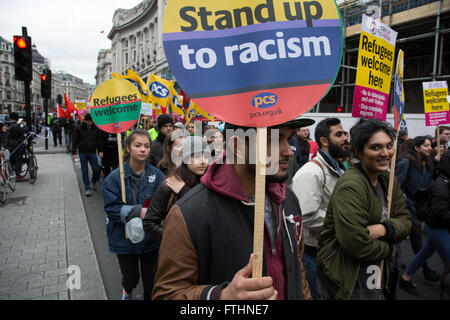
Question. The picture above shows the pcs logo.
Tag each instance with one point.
(264, 100)
(159, 90)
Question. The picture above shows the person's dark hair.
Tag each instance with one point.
(413, 155)
(323, 129)
(129, 140)
(443, 128)
(361, 133)
(13, 116)
(166, 164)
(403, 149)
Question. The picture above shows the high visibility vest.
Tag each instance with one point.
(153, 134)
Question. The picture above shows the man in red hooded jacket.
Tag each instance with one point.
(207, 243)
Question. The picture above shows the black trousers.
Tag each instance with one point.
(129, 267)
(16, 159)
(110, 160)
(57, 137)
(416, 241)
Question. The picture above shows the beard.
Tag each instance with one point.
(339, 152)
(275, 178)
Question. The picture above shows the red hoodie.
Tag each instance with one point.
(222, 178)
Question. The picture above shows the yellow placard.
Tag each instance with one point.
(80, 105)
(435, 100)
(375, 63)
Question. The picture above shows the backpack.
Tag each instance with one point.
(423, 200)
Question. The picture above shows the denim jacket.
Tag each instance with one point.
(117, 211)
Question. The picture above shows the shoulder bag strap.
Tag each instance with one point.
(169, 203)
(324, 175)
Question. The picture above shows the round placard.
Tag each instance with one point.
(254, 63)
(116, 105)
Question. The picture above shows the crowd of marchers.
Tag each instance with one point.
(333, 218)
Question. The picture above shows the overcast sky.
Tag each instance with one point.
(66, 32)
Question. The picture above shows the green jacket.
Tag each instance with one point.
(344, 242)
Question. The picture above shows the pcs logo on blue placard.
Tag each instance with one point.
(264, 100)
(159, 90)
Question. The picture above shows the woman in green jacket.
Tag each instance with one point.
(358, 238)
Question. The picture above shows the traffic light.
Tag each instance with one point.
(46, 83)
(23, 58)
(340, 109)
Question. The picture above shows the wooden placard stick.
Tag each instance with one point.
(260, 195)
(122, 174)
(438, 140)
(389, 198)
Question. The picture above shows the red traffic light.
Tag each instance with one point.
(20, 42)
(43, 77)
(339, 109)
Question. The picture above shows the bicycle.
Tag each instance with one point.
(7, 176)
(30, 163)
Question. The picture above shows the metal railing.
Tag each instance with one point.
(352, 11)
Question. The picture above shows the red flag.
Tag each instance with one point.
(69, 107)
(186, 99)
(61, 112)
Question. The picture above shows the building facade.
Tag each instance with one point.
(12, 92)
(136, 40)
(73, 87)
(104, 66)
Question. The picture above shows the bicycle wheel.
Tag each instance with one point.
(24, 170)
(11, 176)
(32, 169)
(2, 189)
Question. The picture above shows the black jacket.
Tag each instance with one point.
(439, 218)
(158, 209)
(87, 139)
(157, 150)
(208, 237)
(16, 135)
(55, 124)
(69, 126)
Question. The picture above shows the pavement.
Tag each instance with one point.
(46, 250)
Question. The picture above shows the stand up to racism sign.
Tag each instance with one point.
(257, 62)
